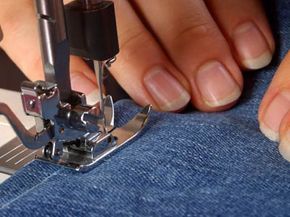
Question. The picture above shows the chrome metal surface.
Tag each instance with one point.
(53, 11)
(54, 44)
(110, 62)
(132, 128)
(75, 136)
(15, 155)
(30, 140)
(99, 67)
(109, 113)
(105, 144)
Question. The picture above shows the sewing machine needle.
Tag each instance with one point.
(99, 67)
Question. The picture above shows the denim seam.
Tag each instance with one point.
(27, 191)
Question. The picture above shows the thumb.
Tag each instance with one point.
(276, 102)
(284, 146)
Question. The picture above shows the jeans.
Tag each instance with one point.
(193, 164)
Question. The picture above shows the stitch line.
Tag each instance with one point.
(29, 190)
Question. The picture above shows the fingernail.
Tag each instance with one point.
(80, 83)
(168, 93)
(216, 85)
(284, 146)
(274, 114)
(251, 45)
(93, 97)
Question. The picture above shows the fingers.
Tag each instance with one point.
(197, 47)
(83, 79)
(284, 132)
(276, 102)
(181, 55)
(21, 43)
(142, 68)
(246, 28)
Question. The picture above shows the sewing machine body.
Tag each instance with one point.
(67, 130)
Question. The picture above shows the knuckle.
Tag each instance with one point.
(194, 26)
(133, 41)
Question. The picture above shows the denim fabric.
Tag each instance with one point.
(193, 164)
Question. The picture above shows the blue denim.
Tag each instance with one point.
(193, 164)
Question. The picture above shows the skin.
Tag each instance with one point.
(279, 114)
(173, 53)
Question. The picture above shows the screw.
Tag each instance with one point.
(31, 104)
(48, 151)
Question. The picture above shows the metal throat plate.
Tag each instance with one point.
(15, 155)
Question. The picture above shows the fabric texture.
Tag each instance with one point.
(193, 164)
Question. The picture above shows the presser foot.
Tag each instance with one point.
(101, 145)
(15, 155)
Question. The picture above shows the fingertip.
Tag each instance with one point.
(252, 48)
(274, 113)
(245, 25)
(268, 132)
(284, 145)
(77, 64)
(216, 86)
(167, 91)
(258, 62)
(276, 102)
(83, 79)
(93, 97)
(81, 83)
(284, 149)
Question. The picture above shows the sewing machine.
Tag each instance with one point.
(68, 131)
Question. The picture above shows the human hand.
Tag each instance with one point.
(172, 52)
